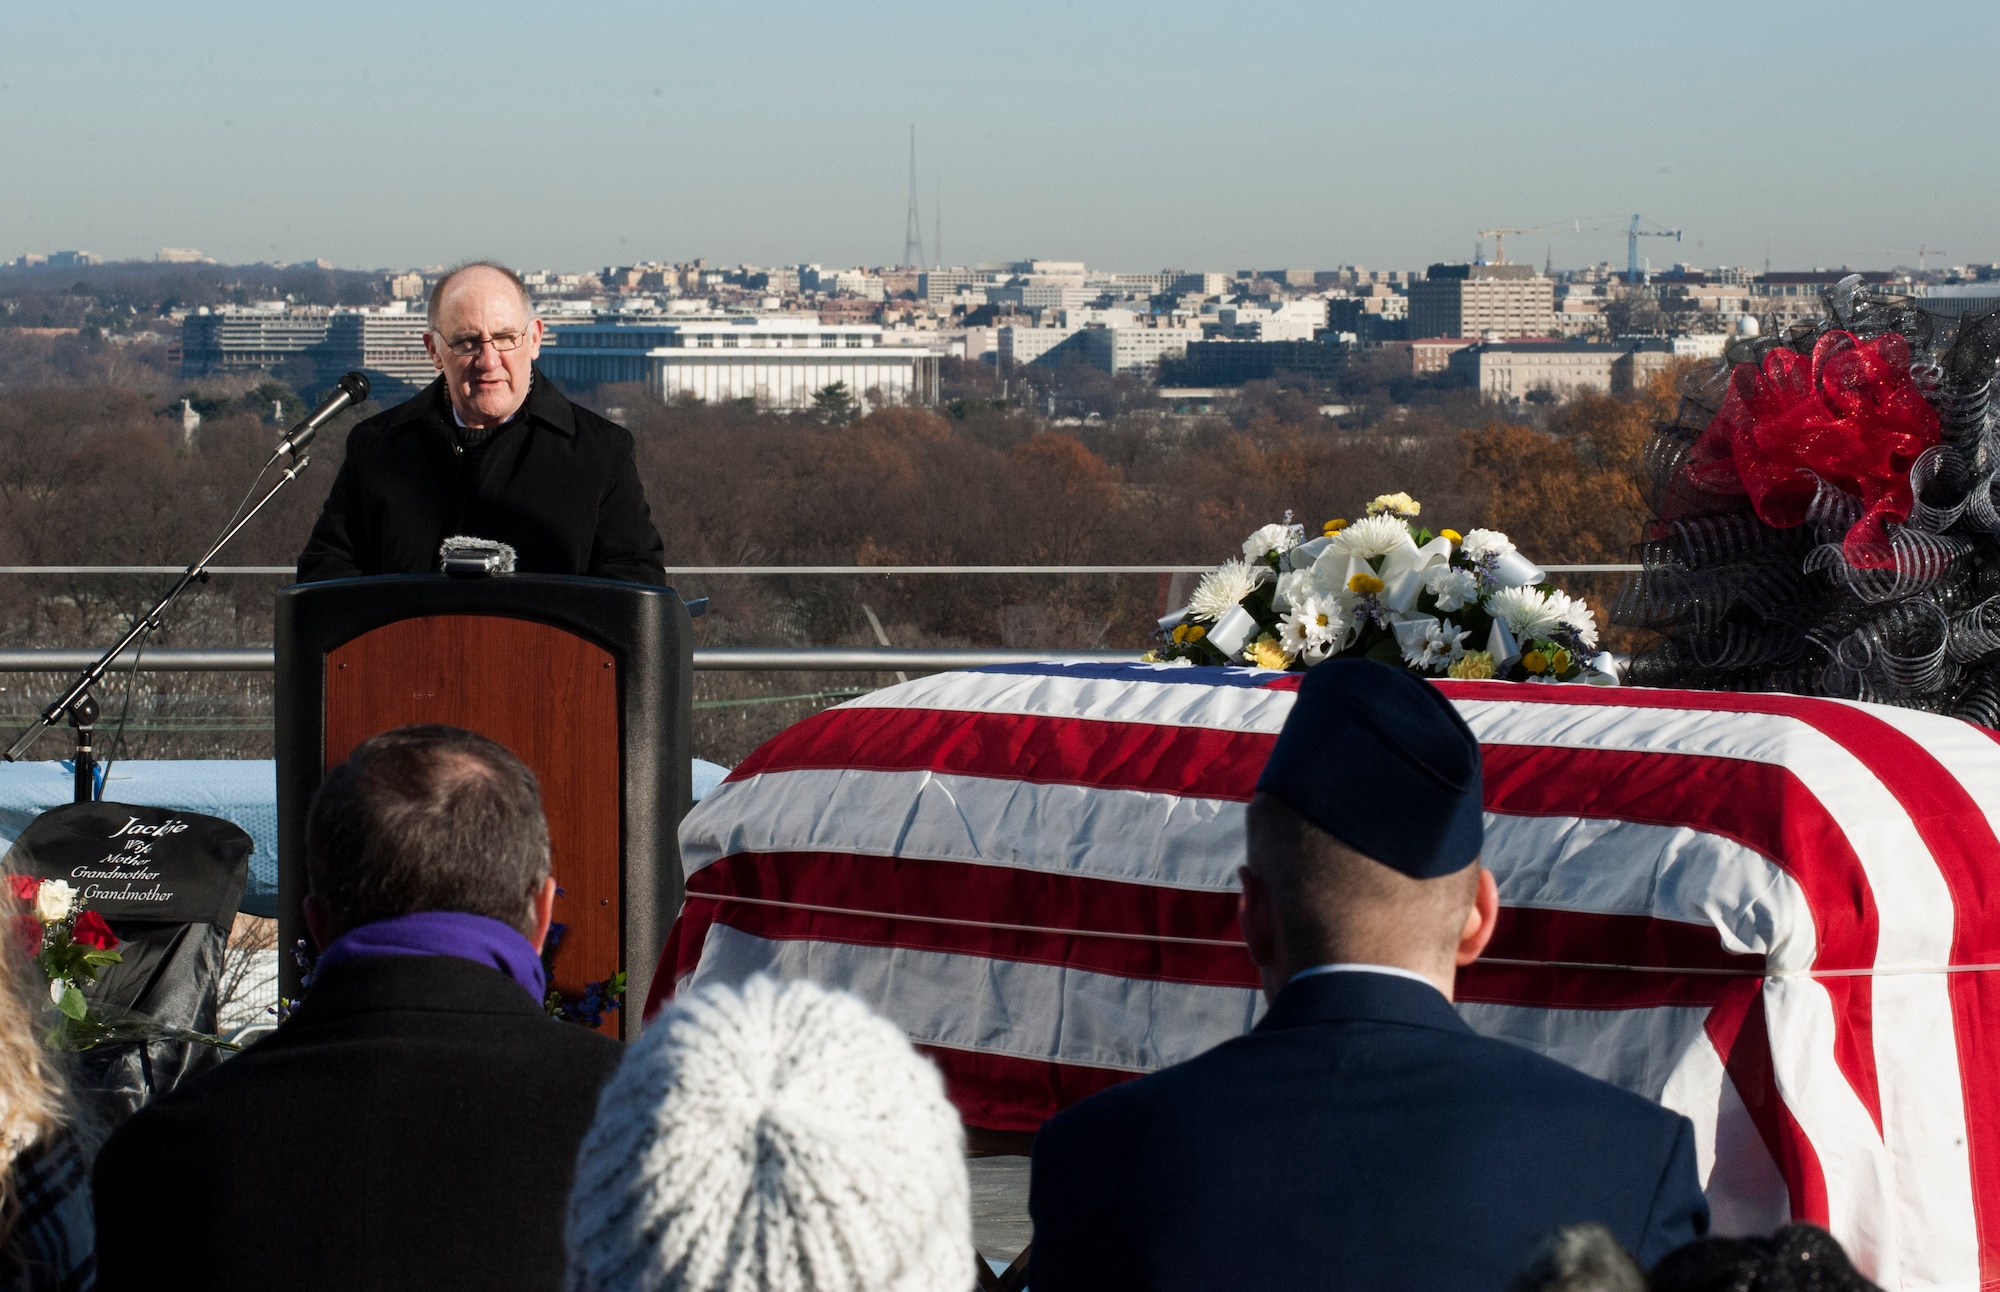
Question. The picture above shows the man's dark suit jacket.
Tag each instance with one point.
(1361, 1136)
(557, 483)
(413, 1125)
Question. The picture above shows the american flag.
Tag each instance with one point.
(1777, 915)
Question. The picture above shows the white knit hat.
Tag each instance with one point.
(776, 1138)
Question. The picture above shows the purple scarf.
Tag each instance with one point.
(477, 938)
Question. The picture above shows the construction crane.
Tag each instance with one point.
(1632, 235)
(1499, 237)
(1924, 250)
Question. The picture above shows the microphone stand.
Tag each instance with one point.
(77, 704)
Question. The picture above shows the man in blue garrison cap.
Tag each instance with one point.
(1361, 1136)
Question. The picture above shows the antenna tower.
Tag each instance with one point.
(913, 225)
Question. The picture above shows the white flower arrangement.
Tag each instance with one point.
(1442, 645)
(1527, 612)
(1368, 538)
(1271, 538)
(1385, 589)
(1454, 588)
(1478, 544)
(1223, 590)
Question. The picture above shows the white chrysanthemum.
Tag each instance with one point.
(1370, 537)
(1221, 591)
(1396, 504)
(1524, 610)
(1443, 645)
(1271, 538)
(1479, 543)
(1453, 588)
(1575, 614)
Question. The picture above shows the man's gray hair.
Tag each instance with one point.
(437, 288)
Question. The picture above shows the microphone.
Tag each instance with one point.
(349, 390)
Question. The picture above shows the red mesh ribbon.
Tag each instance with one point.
(1850, 415)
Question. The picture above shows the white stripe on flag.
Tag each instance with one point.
(1133, 835)
(1611, 867)
(1028, 1011)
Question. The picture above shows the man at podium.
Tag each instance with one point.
(490, 450)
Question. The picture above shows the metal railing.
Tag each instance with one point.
(767, 570)
(751, 659)
(765, 659)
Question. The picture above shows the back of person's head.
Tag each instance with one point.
(1367, 820)
(1580, 1258)
(1335, 905)
(1797, 1258)
(776, 1137)
(427, 818)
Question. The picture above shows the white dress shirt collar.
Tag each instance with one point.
(1391, 970)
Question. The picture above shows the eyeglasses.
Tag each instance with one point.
(466, 347)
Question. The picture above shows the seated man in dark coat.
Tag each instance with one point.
(414, 1123)
(1361, 1136)
(491, 450)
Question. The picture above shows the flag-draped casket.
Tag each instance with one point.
(1777, 915)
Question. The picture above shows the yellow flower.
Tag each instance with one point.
(1559, 662)
(1150, 657)
(1265, 652)
(1452, 534)
(1473, 666)
(1333, 527)
(1365, 584)
(1400, 504)
(1196, 632)
(1535, 662)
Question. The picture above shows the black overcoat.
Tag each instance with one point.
(1361, 1136)
(413, 1125)
(557, 483)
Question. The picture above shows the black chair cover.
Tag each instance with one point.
(168, 882)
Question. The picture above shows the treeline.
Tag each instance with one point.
(103, 475)
(117, 297)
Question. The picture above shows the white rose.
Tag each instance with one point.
(1479, 543)
(1271, 538)
(1453, 588)
(54, 900)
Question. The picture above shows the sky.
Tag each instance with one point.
(1133, 136)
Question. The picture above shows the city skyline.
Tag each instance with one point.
(1126, 136)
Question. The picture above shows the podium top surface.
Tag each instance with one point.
(615, 613)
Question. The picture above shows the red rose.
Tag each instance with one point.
(23, 887)
(92, 931)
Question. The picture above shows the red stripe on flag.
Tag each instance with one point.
(1737, 1029)
(1204, 762)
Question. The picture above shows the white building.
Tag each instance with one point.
(1041, 296)
(1291, 321)
(1018, 345)
(780, 362)
(849, 282)
(1134, 349)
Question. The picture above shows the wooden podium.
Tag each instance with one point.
(587, 681)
